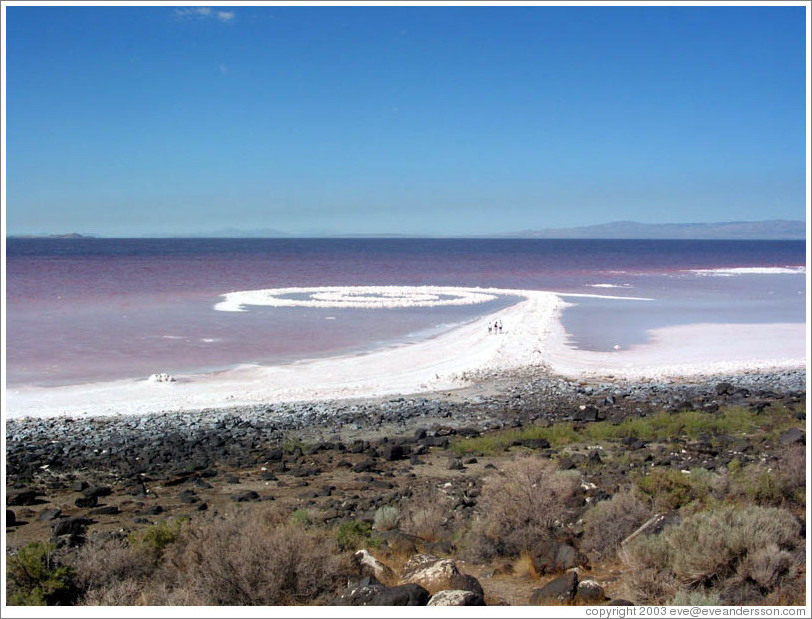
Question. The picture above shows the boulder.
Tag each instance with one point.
(536, 443)
(437, 574)
(551, 557)
(364, 466)
(455, 464)
(107, 510)
(97, 491)
(11, 518)
(275, 455)
(586, 413)
(403, 595)
(361, 592)
(560, 590)
(70, 526)
(188, 496)
(24, 497)
(392, 452)
(590, 592)
(49, 514)
(724, 388)
(245, 497)
(792, 436)
(456, 597)
(359, 596)
(86, 501)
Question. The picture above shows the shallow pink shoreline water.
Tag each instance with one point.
(533, 336)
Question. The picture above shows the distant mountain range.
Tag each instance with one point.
(69, 235)
(776, 229)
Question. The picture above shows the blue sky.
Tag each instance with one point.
(469, 120)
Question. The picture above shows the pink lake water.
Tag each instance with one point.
(86, 310)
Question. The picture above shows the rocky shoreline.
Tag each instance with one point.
(93, 486)
(165, 444)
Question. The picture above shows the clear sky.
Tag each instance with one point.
(467, 120)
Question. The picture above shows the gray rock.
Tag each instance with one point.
(724, 388)
(558, 591)
(24, 497)
(436, 574)
(403, 595)
(106, 510)
(455, 464)
(189, 497)
(792, 436)
(590, 592)
(70, 526)
(456, 597)
(536, 443)
(364, 466)
(552, 556)
(245, 497)
(392, 452)
(360, 596)
(50, 514)
(86, 501)
(97, 491)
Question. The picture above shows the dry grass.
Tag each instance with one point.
(522, 504)
(255, 558)
(104, 563)
(610, 522)
(427, 514)
(739, 554)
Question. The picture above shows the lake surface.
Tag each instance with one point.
(85, 310)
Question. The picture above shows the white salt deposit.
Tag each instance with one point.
(532, 336)
(796, 270)
(369, 297)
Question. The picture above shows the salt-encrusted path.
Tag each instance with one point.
(532, 336)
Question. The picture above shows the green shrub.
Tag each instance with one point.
(301, 516)
(668, 489)
(35, 578)
(157, 536)
(293, 445)
(782, 484)
(690, 424)
(353, 535)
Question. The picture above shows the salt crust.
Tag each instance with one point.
(532, 336)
